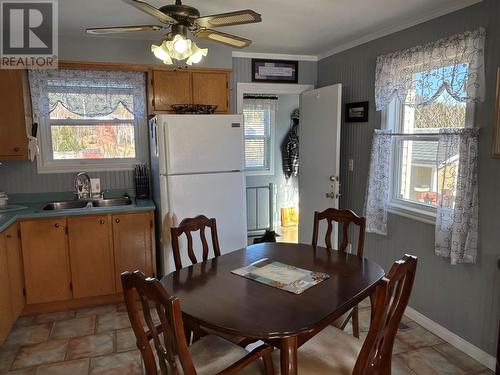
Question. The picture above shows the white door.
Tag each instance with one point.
(319, 157)
(202, 143)
(217, 195)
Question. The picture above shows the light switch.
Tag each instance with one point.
(351, 165)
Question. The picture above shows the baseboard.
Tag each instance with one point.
(471, 350)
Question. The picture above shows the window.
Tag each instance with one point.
(417, 178)
(89, 119)
(258, 117)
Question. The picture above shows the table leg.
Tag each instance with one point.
(289, 356)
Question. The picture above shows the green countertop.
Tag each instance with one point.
(34, 204)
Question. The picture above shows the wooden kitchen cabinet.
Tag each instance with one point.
(171, 87)
(46, 260)
(188, 86)
(15, 107)
(133, 244)
(91, 256)
(6, 316)
(211, 88)
(15, 267)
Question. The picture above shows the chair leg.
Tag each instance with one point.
(355, 322)
(268, 364)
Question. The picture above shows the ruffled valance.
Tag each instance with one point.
(86, 92)
(417, 76)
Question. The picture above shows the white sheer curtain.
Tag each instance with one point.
(103, 91)
(454, 64)
(457, 209)
(417, 77)
(377, 194)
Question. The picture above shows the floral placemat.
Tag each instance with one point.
(282, 276)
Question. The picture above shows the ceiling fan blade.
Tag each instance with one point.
(122, 29)
(239, 17)
(152, 11)
(228, 39)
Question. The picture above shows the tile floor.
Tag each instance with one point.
(99, 341)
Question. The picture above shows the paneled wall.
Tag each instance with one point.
(463, 298)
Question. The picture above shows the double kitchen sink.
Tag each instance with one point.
(75, 204)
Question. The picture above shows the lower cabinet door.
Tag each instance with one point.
(6, 317)
(46, 260)
(132, 235)
(15, 265)
(91, 256)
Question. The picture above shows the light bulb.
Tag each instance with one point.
(196, 57)
(197, 54)
(180, 45)
(161, 53)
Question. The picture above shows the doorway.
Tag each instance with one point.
(270, 115)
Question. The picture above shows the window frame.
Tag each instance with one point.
(392, 119)
(47, 164)
(272, 137)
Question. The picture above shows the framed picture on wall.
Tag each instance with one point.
(356, 112)
(275, 71)
(495, 149)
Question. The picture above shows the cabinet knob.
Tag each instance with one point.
(101, 221)
(8, 236)
(17, 148)
(57, 225)
(117, 220)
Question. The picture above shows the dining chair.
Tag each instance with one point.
(333, 351)
(187, 226)
(344, 217)
(209, 355)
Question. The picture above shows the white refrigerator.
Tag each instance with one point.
(197, 168)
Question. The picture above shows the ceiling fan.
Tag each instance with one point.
(181, 19)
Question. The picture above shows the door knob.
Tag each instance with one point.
(334, 178)
(330, 195)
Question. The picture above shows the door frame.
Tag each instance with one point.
(267, 88)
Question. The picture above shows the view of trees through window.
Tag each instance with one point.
(106, 137)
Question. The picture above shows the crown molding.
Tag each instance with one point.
(274, 56)
(457, 5)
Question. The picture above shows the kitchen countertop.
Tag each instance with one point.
(34, 210)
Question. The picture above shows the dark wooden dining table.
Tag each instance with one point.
(215, 298)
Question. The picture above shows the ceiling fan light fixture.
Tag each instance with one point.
(197, 55)
(180, 44)
(179, 48)
(161, 52)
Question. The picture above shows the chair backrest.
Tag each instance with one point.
(389, 303)
(344, 217)
(168, 337)
(198, 223)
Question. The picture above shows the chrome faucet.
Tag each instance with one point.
(83, 186)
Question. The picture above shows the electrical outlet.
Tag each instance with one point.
(351, 165)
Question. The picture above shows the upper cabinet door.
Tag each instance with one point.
(211, 88)
(46, 260)
(91, 255)
(15, 108)
(171, 87)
